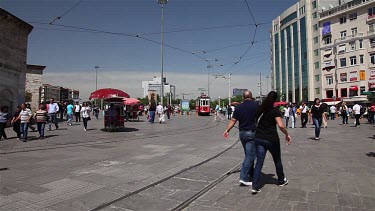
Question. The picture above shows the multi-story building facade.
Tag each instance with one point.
(48, 91)
(348, 50)
(293, 41)
(154, 87)
(238, 92)
(13, 56)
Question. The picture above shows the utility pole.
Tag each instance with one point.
(96, 77)
(229, 90)
(162, 2)
(208, 80)
(267, 83)
(260, 88)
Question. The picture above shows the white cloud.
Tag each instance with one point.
(130, 82)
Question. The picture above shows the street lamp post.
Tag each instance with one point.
(162, 2)
(267, 83)
(96, 77)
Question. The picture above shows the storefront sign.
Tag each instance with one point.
(362, 75)
(353, 76)
(326, 28)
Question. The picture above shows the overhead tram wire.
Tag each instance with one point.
(59, 17)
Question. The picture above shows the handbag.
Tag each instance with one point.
(89, 118)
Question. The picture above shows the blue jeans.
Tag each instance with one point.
(70, 118)
(247, 140)
(41, 126)
(318, 125)
(261, 150)
(53, 119)
(286, 121)
(152, 116)
(24, 127)
(345, 119)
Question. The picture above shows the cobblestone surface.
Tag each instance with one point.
(77, 170)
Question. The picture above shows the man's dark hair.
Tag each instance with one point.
(247, 95)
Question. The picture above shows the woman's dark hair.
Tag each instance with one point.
(316, 99)
(267, 104)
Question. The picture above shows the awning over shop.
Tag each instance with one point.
(354, 88)
(328, 65)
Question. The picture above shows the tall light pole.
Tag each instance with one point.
(267, 83)
(208, 80)
(162, 2)
(229, 90)
(96, 77)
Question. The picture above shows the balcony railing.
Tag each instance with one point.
(349, 37)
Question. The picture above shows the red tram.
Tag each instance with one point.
(202, 105)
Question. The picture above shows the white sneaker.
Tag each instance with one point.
(84, 129)
(243, 183)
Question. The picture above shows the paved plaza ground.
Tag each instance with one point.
(76, 170)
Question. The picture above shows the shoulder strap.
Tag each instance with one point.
(259, 118)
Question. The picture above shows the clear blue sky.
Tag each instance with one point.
(70, 51)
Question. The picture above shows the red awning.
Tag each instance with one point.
(354, 88)
(131, 101)
(107, 93)
(280, 103)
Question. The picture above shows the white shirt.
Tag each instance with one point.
(332, 109)
(357, 109)
(85, 112)
(286, 112)
(159, 109)
(303, 109)
(77, 108)
(53, 108)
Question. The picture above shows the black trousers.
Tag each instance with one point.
(357, 116)
(304, 119)
(2, 130)
(78, 116)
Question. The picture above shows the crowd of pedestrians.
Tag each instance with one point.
(50, 113)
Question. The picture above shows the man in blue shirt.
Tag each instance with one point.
(245, 115)
(69, 113)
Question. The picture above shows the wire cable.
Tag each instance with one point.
(59, 17)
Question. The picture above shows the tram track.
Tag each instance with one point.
(171, 132)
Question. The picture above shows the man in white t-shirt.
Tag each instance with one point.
(304, 114)
(77, 111)
(159, 111)
(333, 110)
(357, 114)
(286, 115)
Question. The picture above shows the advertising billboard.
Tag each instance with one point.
(185, 105)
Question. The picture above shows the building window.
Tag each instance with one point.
(302, 10)
(372, 42)
(343, 62)
(362, 75)
(360, 44)
(353, 16)
(361, 59)
(317, 91)
(315, 15)
(315, 27)
(276, 27)
(342, 48)
(371, 27)
(372, 58)
(353, 60)
(327, 40)
(314, 4)
(343, 20)
(371, 11)
(352, 45)
(316, 78)
(316, 52)
(344, 92)
(316, 65)
(316, 40)
(329, 79)
(343, 34)
(354, 30)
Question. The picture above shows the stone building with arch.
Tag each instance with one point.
(14, 34)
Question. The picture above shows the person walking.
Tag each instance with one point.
(317, 115)
(41, 117)
(85, 110)
(357, 114)
(245, 115)
(169, 111)
(267, 139)
(292, 115)
(160, 112)
(69, 113)
(229, 110)
(77, 112)
(53, 109)
(152, 109)
(62, 109)
(304, 115)
(333, 111)
(96, 110)
(17, 123)
(344, 113)
(287, 115)
(4, 118)
(24, 116)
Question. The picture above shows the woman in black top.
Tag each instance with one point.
(267, 138)
(317, 115)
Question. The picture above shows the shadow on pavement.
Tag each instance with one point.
(268, 179)
(126, 129)
(371, 154)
